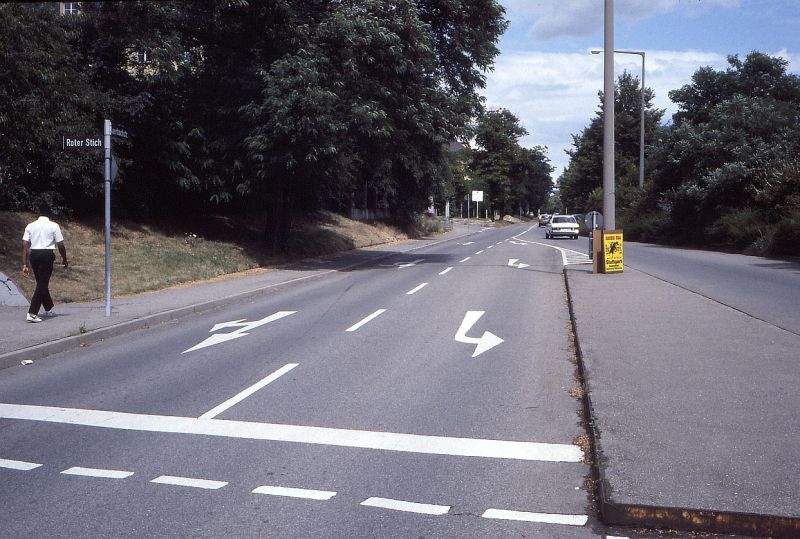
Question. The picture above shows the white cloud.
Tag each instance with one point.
(549, 19)
(555, 94)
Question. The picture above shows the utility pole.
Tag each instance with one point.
(609, 209)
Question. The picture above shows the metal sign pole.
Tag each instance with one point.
(107, 178)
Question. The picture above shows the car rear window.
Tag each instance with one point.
(564, 220)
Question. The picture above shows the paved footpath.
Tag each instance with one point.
(695, 407)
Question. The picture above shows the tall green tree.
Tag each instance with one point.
(514, 178)
(581, 181)
(48, 94)
(714, 165)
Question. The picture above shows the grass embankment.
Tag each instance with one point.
(156, 256)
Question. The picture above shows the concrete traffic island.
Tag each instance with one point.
(694, 407)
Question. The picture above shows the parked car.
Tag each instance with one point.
(562, 225)
(544, 219)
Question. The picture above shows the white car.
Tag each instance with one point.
(562, 225)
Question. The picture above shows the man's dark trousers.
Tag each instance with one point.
(42, 266)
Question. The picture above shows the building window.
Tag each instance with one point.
(70, 8)
(142, 57)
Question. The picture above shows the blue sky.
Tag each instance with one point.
(547, 77)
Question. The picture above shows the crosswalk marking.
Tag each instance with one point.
(189, 482)
(18, 465)
(97, 472)
(408, 507)
(545, 518)
(295, 492)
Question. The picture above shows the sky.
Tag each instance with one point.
(546, 75)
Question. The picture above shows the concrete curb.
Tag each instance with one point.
(654, 517)
(94, 336)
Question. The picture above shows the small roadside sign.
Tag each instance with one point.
(477, 196)
(612, 251)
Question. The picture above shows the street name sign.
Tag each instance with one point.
(69, 143)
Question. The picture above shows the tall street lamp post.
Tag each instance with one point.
(641, 128)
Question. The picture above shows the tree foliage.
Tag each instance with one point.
(580, 185)
(272, 105)
(725, 171)
(514, 178)
(48, 94)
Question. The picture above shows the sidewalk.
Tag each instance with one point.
(80, 324)
(695, 407)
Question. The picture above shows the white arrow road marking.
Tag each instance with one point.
(243, 326)
(386, 441)
(517, 242)
(513, 263)
(467, 243)
(486, 342)
(409, 264)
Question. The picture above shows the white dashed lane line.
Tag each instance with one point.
(479, 252)
(464, 260)
(366, 320)
(445, 271)
(97, 472)
(416, 289)
(18, 465)
(408, 507)
(303, 493)
(214, 412)
(189, 482)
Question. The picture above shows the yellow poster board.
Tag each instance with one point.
(612, 251)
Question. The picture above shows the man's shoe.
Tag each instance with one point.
(49, 314)
(33, 318)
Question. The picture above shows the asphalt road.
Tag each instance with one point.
(425, 395)
(763, 288)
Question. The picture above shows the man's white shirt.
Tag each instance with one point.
(43, 234)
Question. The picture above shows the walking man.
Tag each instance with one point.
(38, 241)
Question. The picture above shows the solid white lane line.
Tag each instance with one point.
(408, 507)
(371, 317)
(545, 518)
(189, 482)
(247, 392)
(386, 441)
(417, 289)
(295, 492)
(465, 259)
(18, 465)
(445, 271)
(97, 472)
(479, 252)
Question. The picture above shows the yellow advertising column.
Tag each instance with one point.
(612, 251)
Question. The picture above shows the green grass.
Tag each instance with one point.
(160, 255)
